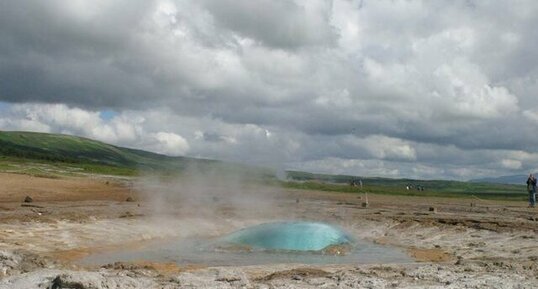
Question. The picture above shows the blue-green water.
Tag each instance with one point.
(270, 243)
(291, 236)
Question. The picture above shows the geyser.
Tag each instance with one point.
(270, 243)
(294, 236)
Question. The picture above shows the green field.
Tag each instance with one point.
(438, 188)
(55, 155)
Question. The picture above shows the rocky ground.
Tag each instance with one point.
(455, 243)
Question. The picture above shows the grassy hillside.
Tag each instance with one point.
(18, 149)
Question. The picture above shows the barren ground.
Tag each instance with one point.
(462, 243)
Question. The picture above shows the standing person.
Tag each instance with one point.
(531, 188)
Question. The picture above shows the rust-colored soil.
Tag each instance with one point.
(430, 255)
(15, 187)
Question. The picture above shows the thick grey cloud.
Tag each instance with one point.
(281, 24)
(398, 88)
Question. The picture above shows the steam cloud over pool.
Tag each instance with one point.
(296, 236)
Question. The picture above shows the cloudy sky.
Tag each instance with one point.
(422, 89)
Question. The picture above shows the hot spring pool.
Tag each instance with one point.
(290, 236)
(269, 243)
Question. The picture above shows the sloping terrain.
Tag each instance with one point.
(72, 149)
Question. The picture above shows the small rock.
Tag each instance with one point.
(130, 199)
(28, 199)
(56, 283)
(433, 209)
(228, 278)
(59, 283)
(127, 215)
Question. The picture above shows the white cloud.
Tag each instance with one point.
(170, 143)
(466, 91)
(511, 164)
(127, 129)
(531, 115)
(389, 83)
(383, 147)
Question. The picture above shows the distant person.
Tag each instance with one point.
(531, 188)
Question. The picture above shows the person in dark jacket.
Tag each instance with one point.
(531, 188)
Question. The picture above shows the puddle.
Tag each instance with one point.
(271, 243)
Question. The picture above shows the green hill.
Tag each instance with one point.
(89, 154)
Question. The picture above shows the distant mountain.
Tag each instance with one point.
(513, 179)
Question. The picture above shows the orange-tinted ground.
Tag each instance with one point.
(15, 187)
(71, 217)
